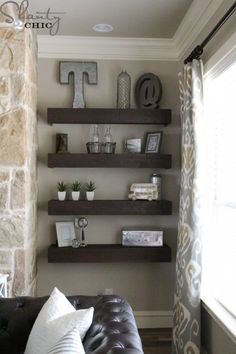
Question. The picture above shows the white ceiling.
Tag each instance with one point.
(130, 18)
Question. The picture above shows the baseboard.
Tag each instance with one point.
(154, 319)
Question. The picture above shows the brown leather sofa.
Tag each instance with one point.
(113, 330)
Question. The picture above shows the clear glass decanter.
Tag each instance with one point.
(95, 136)
(108, 144)
(107, 136)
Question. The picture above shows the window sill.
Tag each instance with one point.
(222, 317)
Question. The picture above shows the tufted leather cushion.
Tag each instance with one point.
(113, 330)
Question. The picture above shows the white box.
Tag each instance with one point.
(133, 145)
(144, 237)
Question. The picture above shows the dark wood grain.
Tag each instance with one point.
(108, 253)
(108, 116)
(156, 340)
(109, 207)
(110, 160)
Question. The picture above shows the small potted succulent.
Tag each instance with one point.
(61, 187)
(90, 188)
(75, 190)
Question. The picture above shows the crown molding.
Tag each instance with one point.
(115, 48)
(194, 21)
(112, 48)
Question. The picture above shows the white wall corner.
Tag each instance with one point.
(75, 47)
(154, 319)
(196, 18)
(222, 58)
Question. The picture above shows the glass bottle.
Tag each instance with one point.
(95, 136)
(94, 146)
(108, 144)
(156, 179)
(123, 90)
(107, 136)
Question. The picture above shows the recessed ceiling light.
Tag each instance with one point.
(103, 27)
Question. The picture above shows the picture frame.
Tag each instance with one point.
(65, 233)
(153, 142)
(61, 143)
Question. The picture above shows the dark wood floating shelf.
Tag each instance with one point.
(108, 116)
(108, 253)
(109, 207)
(109, 160)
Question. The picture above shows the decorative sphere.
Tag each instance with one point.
(75, 243)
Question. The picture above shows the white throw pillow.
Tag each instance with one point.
(70, 343)
(56, 318)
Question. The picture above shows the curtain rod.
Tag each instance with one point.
(198, 50)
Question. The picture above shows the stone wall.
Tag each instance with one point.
(18, 189)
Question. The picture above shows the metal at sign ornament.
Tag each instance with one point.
(148, 91)
(78, 69)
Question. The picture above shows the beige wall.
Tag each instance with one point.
(146, 286)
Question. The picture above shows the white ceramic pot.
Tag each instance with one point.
(61, 195)
(90, 195)
(75, 195)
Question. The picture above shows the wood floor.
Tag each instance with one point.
(156, 341)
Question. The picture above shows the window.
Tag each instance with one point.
(219, 239)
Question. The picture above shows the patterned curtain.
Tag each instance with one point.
(186, 327)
